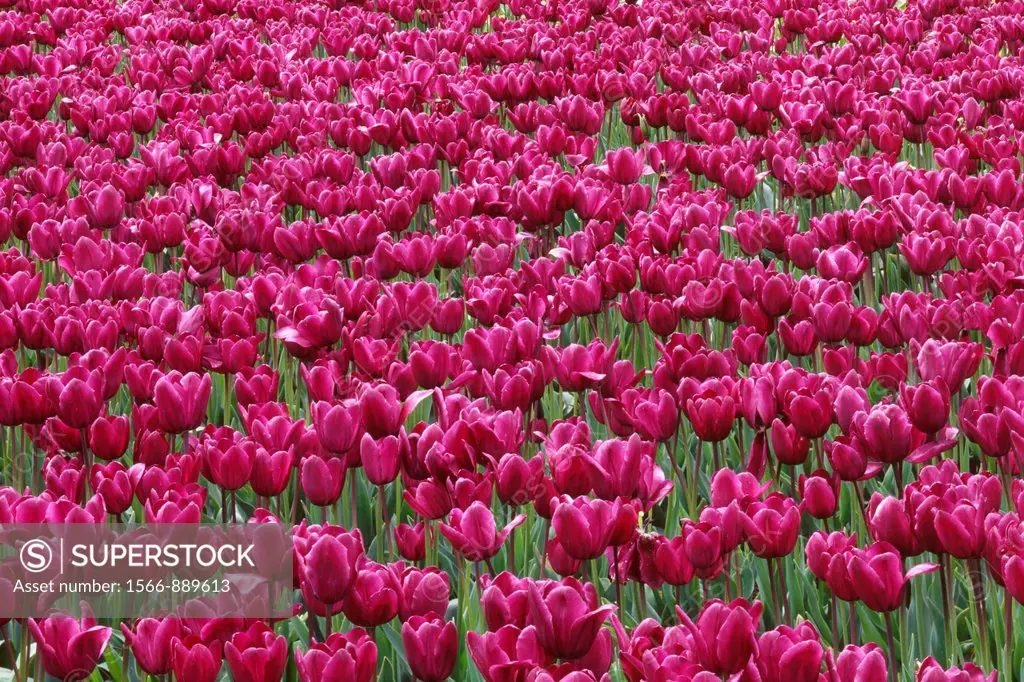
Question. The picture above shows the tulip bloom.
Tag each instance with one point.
(473, 533)
(194, 660)
(931, 671)
(431, 646)
(256, 655)
(151, 643)
(342, 656)
(70, 648)
(584, 526)
(790, 654)
(181, 401)
(329, 565)
(878, 577)
(567, 618)
(724, 635)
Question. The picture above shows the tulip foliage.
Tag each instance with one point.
(593, 341)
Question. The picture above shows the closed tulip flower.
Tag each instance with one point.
(567, 618)
(584, 526)
(724, 635)
(422, 591)
(337, 426)
(819, 494)
(329, 565)
(381, 459)
(861, 663)
(927, 404)
(431, 647)
(772, 526)
(322, 479)
(257, 655)
(342, 656)
(671, 561)
(194, 660)
(374, 597)
(712, 417)
(790, 654)
(788, 446)
(703, 544)
(411, 541)
(931, 671)
(108, 437)
(79, 403)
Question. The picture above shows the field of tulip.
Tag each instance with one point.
(579, 340)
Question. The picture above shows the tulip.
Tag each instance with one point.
(322, 479)
(70, 649)
(927, 404)
(108, 437)
(505, 654)
(329, 565)
(473, 533)
(786, 654)
(422, 592)
(411, 541)
(194, 660)
(772, 526)
(150, 640)
(181, 401)
(342, 656)
(381, 460)
(230, 467)
(712, 417)
(819, 494)
(787, 444)
(672, 564)
(374, 596)
(889, 521)
(616, 466)
(256, 655)
(567, 618)
(431, 647)
(79, 403)
(337, 426)
(271, 472)
(856, 663)
(724, 635)
(115, 485)
(584, 526)
(105, 207)
(931, 671)
(703, 545)
(877, 575)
